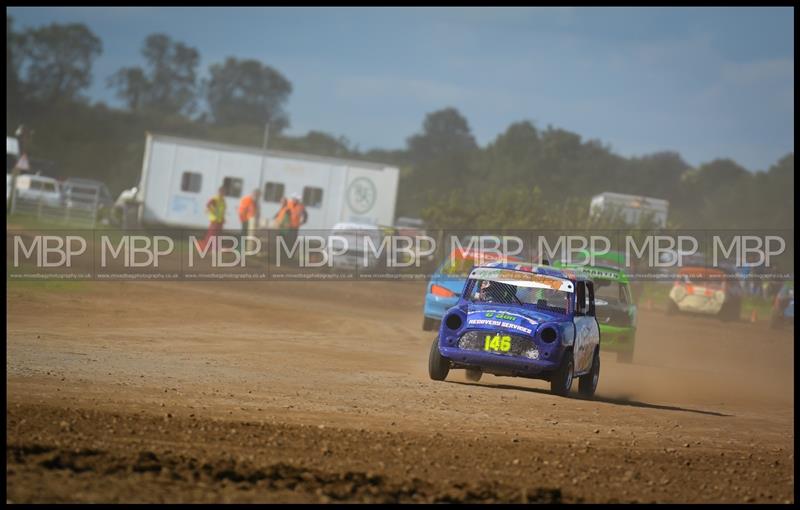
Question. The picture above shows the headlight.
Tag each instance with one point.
(548, 334)
(453, 321)
(532, 353)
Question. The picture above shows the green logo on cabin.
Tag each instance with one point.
(361, 195)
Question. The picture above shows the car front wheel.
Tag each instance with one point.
(438, 367)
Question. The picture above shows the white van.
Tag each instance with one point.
(36, 188)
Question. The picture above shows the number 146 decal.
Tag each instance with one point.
(497, 343)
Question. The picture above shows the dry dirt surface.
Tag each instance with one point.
(318, 392)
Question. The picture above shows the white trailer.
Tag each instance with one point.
(180, 175)
(632, 207)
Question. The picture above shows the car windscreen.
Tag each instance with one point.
(546, 299)
(610, 291)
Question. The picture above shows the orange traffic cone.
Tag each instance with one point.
(754, 316)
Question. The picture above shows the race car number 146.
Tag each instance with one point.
(497, 343)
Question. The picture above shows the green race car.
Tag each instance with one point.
(614, 306)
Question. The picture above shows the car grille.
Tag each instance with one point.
(475, 341)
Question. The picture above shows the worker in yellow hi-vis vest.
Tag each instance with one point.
(216, 215)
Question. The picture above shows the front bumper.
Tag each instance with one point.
(504, 364)
(617, 338)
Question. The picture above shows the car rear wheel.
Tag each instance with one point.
(587, 384)
(561, 380)
(474, 374)
(438, 367)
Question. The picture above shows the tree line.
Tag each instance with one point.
(527, 177)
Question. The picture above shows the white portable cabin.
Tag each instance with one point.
(632, 207)
(180, 175)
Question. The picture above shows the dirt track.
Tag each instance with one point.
(318, 391)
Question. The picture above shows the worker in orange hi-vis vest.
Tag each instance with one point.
(248, 214)
(297, 213)
(288, 219)
(297, 216)
(216, 215)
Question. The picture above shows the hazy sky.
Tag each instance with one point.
(706, 82)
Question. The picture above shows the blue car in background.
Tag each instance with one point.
(447, 282)
(783, 306)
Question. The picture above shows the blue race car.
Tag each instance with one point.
(522, 321)
(447, 282)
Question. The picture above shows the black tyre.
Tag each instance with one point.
(428, 324)
(587, 384)
(438, 367)
(561, 380)
(474, 374)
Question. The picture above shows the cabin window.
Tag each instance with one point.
(581, 299)
(233, 187)
(273, 192)
(191, 182)
(312, 197)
